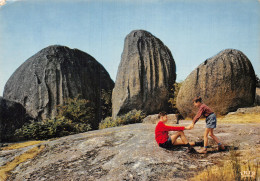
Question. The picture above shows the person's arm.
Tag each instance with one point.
(197, 117)
(173, 128)
(188, 127)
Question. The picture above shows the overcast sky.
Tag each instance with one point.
(193, 30)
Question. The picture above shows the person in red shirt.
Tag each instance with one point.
(211, 123)
(163, 139)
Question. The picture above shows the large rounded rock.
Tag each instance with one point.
(225, 82)
(54, 74)
(12, 116)
(145, 75)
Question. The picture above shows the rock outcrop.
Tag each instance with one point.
(248, 110)
(126, 153)
(54, 74)
(153, 119)
(12, 116)
(145, 75)
(225, 82)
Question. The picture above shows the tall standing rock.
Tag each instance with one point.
(225, 82)
(12, 116)
(56, 73)
(145, 75)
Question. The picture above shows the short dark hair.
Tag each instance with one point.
(197, 99)
(163, 113)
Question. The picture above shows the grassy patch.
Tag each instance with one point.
(240, 166)
(240, 118)
(4, 170)
(21, 145)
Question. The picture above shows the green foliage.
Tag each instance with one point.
(108, 122)
(131, 117)
(73, 117)
(50, 129)
(257, 81)
(76, 110)
(173, 95)
(106, 103)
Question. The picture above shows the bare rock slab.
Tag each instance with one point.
(127, 153)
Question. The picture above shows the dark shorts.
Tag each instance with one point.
(211, 121)
(167, 144)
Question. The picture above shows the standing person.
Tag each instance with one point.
(163, 139)
(211, 123)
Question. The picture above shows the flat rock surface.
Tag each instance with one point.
(126, 153)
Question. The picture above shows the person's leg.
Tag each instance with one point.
(211, 134)
(207, 130)
(180, 142)
(175, 136)
(183, 140)
(204, 150)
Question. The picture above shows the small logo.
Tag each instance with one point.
(248, 174)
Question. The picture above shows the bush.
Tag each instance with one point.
(50, 129)
(106, 103)
(75, 116)
(131, 117)
(76, 110)
(173, 95)
(257, 81)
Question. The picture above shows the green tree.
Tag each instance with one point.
(257, 81)
(106, 103)
(76, 110)
(173, 95)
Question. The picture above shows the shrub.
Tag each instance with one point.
(51, 129)
(173, 96)
(107, 123)
(76, 110)
(257, 81)
(75, 116)
(106, 103)
(131, 117)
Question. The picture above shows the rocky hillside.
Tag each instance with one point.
(125, 153)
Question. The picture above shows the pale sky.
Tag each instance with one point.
(193, 30)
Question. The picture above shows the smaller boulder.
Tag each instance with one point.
(12, 116)
(153, 119)
(247, 110)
